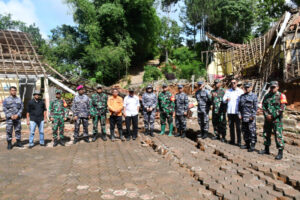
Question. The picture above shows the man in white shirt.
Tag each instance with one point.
(131, 111)
(231, 97)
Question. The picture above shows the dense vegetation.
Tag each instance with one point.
(113, 35)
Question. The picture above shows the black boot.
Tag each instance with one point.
(279, 155)
(94, 138)
(247, 146)
(183, 134)
(178, 133)
(265, 151)
(9, 145)
(252, 147)
(216, 137)
(104, 137)
(75, 140)
(55, 142)
(86, 139)
(151, 133)
(19, 144)
(204, 135)
(146, 132)
(61, 142)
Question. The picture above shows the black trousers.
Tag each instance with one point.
(234, 122)
(134, 121)
(113, 120)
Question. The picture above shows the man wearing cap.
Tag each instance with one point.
(273, 105)
(231, 98)
(218, 111)
(149, 102)
(58, 116)
(81, 112)
(166, 107)
(204, 101)
(36, 115)
(181, 109)
(13, 107)
(115, 106)
(98, 106)
(131, 111)
(247, 113)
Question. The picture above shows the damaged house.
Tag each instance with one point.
(272, 56)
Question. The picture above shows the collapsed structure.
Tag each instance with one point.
(272, 56)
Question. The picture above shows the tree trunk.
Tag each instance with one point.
(167, 58)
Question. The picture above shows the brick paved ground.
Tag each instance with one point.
(148, 168)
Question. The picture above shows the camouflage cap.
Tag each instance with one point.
(180, 86)
(247, 85)
(217, 81)
(58, 91)
(131, 90)
(274, 83)
(99, 86)
(164, 85)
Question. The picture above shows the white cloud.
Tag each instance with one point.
(23, 10)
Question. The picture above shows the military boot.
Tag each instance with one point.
(9, 145)
(151, 133)
(163, 129)
(279, 155)
(19, 144)
(171, 130)
(146, 132)
(75, 140)
(247, 146)
(94, 138)
(216, 137)
(103, 136)
(183, 134)
(265, 151)
(178, 133)
(204, 135)
(252, 147)
(86, 139)
(61, 142)
(55, 143)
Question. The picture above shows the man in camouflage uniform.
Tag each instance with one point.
(149, 103)
(166, 107)
(181, 109)
(98, 106)
(13, 107)
(273, 105)
(58, 116)
(218, 111)
(204, 102)
(81, 112)
(247, 113)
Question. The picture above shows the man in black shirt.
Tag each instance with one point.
(36, 114)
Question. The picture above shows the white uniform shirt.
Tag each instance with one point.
(131, 105)
(233, 103)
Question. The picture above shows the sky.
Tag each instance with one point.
(46, 14)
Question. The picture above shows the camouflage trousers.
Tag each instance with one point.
(164, 117)
(96, 119)
(219, 124)
(203, 121)
(249, 132)
(13, 124)
(85, 123)
(58, 123)
(149, 118)
(180, 121)
(276, 128)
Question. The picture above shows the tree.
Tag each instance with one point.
(111, 35)
(170, 36)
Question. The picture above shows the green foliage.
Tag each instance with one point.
(193, 68)
(183, 55)
(110, 37)
(152, 73)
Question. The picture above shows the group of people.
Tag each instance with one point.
(240, 106)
